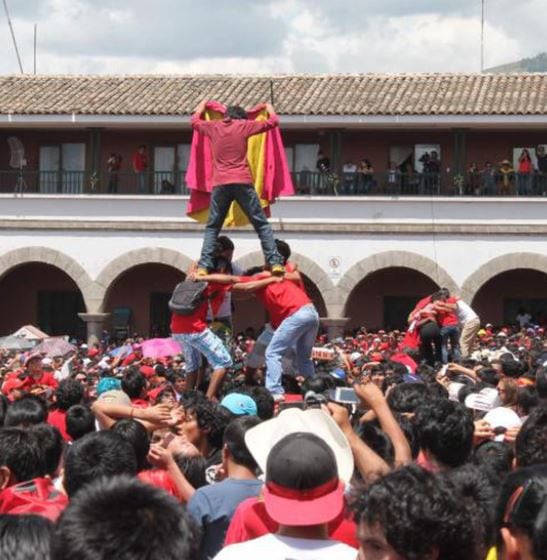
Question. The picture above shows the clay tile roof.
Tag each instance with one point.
(352, 94)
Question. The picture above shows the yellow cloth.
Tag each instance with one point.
(492, 554)
(255, 157)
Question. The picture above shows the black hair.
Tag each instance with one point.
(236, 112)
(319, 384)
(283, 249)
(496, 456)
(68, 393)
(135, 433)
(265, 404)
(437, 391)
(407, 397)
(531, 442)
(4, 404)
(189, 399)
(25, 537)
(212, 418)
(541, 382)
(225, 243)
(27, 411)
(418, 514)
(80, 421)
(527, 513)
(126, 519)
(378, 441)
(133, 383)
(234, 440)
(527, 400)
(445, 429)
(96, 455)
(511, 367)
(409, 429)
(193, 468)
(479, 494)
(489, 376)
(51, 442)
(21, 453)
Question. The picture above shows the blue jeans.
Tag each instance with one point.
(206, 343)
(245, 195)
(299, 330)
(141, 182)
(452, 333)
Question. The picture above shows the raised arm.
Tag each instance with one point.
(256, 285)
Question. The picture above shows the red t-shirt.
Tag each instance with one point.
(130, 358)
(57, 418)
(229, 146)
(281, 299)
(197, 322)
(140, 162)
(251, 520)
(46, 379)
(448, 318)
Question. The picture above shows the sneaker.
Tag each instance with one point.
(278, 270)
(201, 271)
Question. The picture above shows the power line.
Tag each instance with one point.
(13, 36)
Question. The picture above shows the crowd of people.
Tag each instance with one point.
(429, 443)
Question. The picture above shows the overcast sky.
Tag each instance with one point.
(261, 36)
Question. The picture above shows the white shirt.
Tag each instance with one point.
(349, 168)
(464, 312)
(275, 547)
(225, 309)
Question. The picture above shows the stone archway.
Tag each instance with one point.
(134, 258)
(390, 259)
(72, 268)
(504, 263)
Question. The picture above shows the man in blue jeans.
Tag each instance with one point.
(292, 315)
(232, 180)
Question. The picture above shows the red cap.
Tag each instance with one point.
(304, 507)
(147, 371)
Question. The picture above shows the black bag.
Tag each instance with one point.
(187, 297)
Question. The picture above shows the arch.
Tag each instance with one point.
(504, 263)
(388, 259)
(68, 265)
(134, 258)
(305, 265)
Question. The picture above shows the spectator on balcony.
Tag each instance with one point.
(506, 174)
(349, 171)
(140, 166)
(393, 178)
(524, 177)
(488, 179)
(365, 176)
(323, 163)
(113, 165)
(473, 179)
(541, 183)
(431, 171)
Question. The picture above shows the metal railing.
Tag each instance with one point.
(386, 183)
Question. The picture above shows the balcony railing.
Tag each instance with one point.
(386, 183)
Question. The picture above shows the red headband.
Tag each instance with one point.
(311, 494)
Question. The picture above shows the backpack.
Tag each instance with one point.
(187, 297)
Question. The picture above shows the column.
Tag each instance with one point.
(459, 159)
(336, 151)
(335, 327)
(94, 323)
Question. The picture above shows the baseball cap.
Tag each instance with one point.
(31, 357)
(262, 438)
(502, 417)
(302, 485)
(108, 384)
(239, 404)
(485, 400)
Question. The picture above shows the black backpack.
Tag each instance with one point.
(187, 297)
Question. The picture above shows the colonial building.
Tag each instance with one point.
(79, 245)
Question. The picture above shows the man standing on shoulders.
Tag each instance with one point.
(232, 179)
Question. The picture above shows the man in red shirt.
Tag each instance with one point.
(448, 321)
(140, 166)
(292, 315)
(232, 180)
(36, 380)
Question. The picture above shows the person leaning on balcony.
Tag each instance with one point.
(506, 173)
(140, 166)
(232, 180)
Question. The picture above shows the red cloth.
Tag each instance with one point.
(228, 141)
(140, 162)
(45, 380)
(37, 496)
(197, 322)
(140, 403)
(130, 358)
(159, 478)
(57, 418)
(448, 318)
(405, 359)
(281, 299)
(251, 520)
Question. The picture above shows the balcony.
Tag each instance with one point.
(306, 183)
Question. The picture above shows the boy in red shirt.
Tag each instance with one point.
(232, 180)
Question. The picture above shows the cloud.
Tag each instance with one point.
(271, 36)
